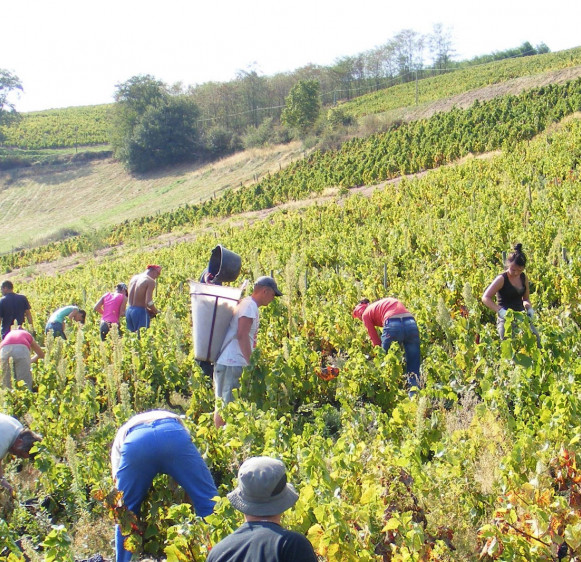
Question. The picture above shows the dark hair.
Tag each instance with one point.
(29, 438)
(7, 285)
(517, 256)
(83, 314)
(24, 442)
(364, 301)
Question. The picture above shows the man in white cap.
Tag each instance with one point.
(239, 342)
(263, 494)
(16, 440)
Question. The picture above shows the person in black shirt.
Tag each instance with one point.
(263, 494)
(511, 289)
(13, 307)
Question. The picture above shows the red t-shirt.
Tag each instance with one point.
(378, 312)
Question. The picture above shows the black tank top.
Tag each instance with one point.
(511, 297)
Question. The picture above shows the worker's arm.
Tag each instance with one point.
(371, 329)
(243, 336)
(123, 307)
(28, 316)
(99, 305)
(149, 299)
(4, 482)
(39, 352)
(490, 293)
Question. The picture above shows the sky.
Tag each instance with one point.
(74, 52)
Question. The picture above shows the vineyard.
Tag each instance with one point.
(486, 126)
(60, 128)
(459, 81)
(483, 462)
(88, 126)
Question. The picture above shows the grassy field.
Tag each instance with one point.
(39, 204)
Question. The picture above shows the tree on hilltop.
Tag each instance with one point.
(302, 106)
(9, 83)
(166, 134)
(152, 127)
(440, 45)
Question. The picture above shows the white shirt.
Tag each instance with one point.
(145, 417)
(10, 428)
(231, 354)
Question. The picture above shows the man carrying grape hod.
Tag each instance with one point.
(240, 340)
(398, 325)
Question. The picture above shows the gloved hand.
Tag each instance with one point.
(530, 312)
(502, 312)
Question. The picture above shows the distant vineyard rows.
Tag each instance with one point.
(84, 126)
(498, 124)
(459, 81)
(60, 128)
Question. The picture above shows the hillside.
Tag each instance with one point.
(483, 460)
(82, 197)
(482, 464)
(40, 204)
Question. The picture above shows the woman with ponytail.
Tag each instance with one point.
(511, 289)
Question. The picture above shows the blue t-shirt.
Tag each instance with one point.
(263, 541)
(12, 307)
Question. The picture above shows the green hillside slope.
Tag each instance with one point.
(459, 81)
(60, 128)
(413, 147)
(483, 459)
(85, 126)
(37, 205)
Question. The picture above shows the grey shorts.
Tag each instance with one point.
(226, 379)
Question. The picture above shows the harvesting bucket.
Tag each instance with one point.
(212, 309)
(224, 265)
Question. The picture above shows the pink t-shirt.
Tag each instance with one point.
(18, 337)
(111, 307)
(378, 312)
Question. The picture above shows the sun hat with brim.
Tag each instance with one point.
(262, 489)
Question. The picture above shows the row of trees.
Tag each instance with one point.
(152, 127)
(252, 97)
(409, 55)
(213, 119)
(156, 124)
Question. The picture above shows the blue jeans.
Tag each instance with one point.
(57, 328)
(405, 331)
(136, 317)
(161, 447)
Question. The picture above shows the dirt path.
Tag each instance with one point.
(466, 99)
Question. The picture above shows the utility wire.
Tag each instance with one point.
(390, 82)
